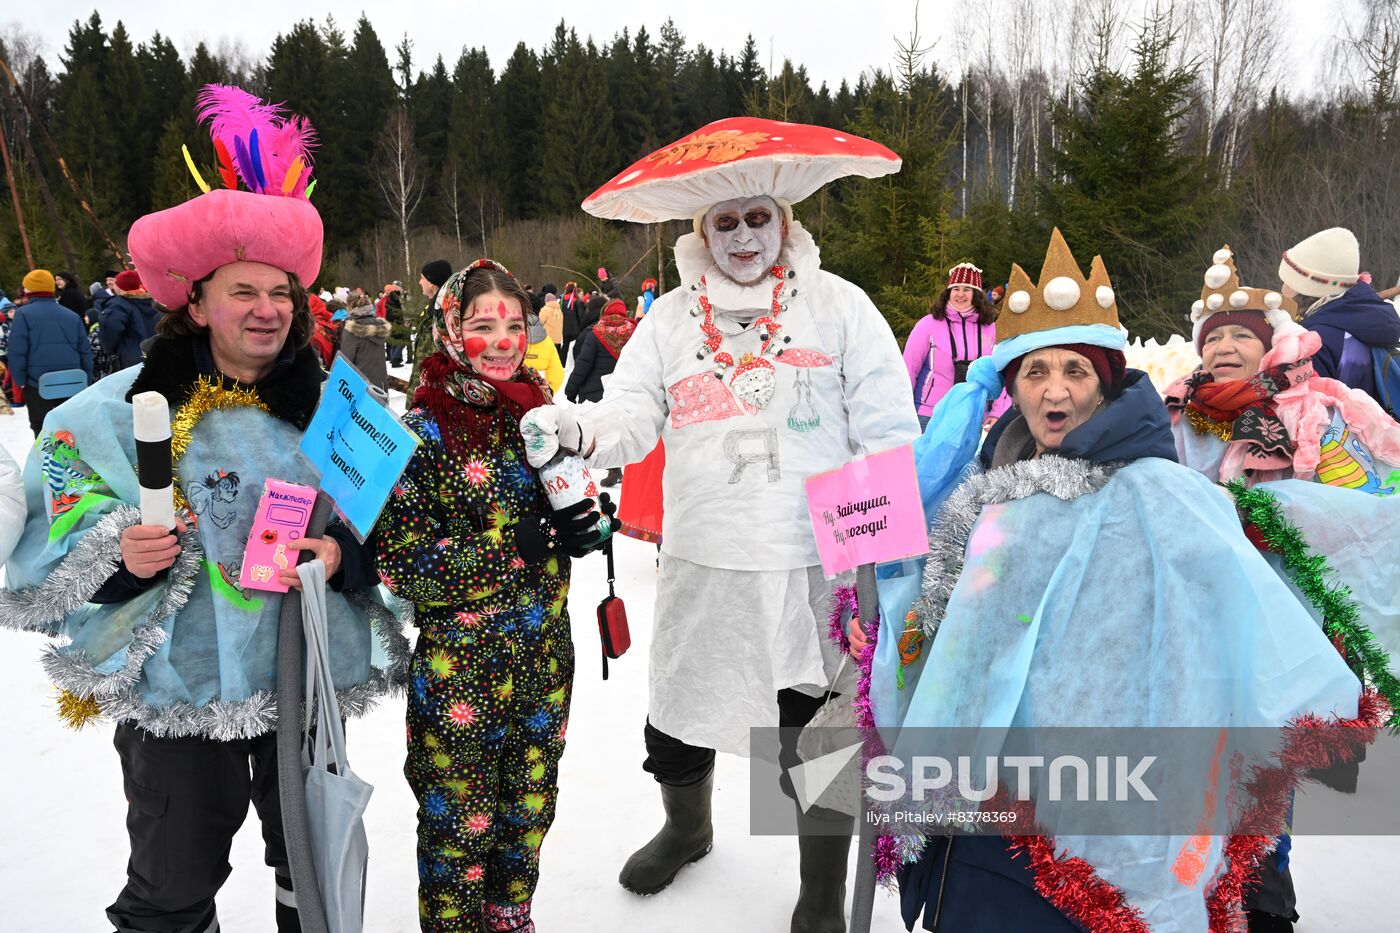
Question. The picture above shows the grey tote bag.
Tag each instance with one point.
(335, 798)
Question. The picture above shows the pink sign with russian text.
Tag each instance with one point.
(868, 512)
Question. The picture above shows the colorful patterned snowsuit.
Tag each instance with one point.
(491, 674)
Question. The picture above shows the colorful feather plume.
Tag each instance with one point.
(257, 142)
(226, 169)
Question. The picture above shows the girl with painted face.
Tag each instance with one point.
(959, 328)
(469, 538)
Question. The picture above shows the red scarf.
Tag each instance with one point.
(1247, 406)
(615, 328)
(471, 409)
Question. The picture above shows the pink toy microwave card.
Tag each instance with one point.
(282, 516)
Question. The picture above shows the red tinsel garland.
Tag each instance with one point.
(1074, 887)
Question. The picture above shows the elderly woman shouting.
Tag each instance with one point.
(1071, 566)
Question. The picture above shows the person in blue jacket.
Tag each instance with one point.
(128, 320)
(1348, 314)
(45, 337)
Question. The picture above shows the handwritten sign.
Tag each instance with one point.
(358, 446)
(867, 512)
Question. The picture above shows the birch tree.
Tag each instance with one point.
(398, 177)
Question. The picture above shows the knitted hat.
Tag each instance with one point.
(1255, 321)
(128, 280)
(965, 273)
(437, 271)
(1326, 263)
(39, 280)
(1109, 365)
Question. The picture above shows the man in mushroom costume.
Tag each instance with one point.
(761, 370)
(160, 636)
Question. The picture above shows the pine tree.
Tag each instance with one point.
(890, 229)
(517, 104)
(1125, 183)
(366, 93)
(164, 86)
(578, 153)
(429, 104)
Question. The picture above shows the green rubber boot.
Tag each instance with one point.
(824, 847)
(686, 837)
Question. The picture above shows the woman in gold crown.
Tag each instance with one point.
(1254, 409)
(1074, 530)
(1256, 412)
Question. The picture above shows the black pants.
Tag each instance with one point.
(186, 799)
(672, 761)
(38, 407)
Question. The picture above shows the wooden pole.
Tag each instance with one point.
(660, 264)
(863, 897)
(38, 124)
(41, 181)
(14, 196)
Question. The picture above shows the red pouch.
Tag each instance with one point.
(612, 621)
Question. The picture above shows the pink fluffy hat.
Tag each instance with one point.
(272, 222)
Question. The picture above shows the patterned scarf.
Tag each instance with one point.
(1246, 408)
(615, 328)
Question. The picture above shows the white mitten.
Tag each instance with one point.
(551, 428)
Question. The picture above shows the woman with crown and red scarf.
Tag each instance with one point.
(761, 370)
(470, 539)
(1299, 446)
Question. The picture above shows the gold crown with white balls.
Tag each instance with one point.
(1222, 292)
(1063, 296)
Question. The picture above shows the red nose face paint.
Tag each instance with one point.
(503, 344)
(475, 346)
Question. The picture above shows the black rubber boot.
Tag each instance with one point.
(824, 845)
(686, 837)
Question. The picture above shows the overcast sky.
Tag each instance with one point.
(834, 39)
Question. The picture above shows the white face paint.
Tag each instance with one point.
(745, 236)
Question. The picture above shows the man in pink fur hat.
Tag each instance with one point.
(170, 646)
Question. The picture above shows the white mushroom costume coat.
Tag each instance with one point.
(794, 375)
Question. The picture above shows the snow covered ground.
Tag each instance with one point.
(63, 844)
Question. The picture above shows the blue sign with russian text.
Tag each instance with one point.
(359, 447)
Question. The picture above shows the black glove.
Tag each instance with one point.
(569, 530)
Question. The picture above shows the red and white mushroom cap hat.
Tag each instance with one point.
(738, 157)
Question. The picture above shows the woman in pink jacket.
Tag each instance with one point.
(957, 330)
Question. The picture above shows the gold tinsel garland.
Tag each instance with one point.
(1204, 424)
(208, 395)
(76, 711)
